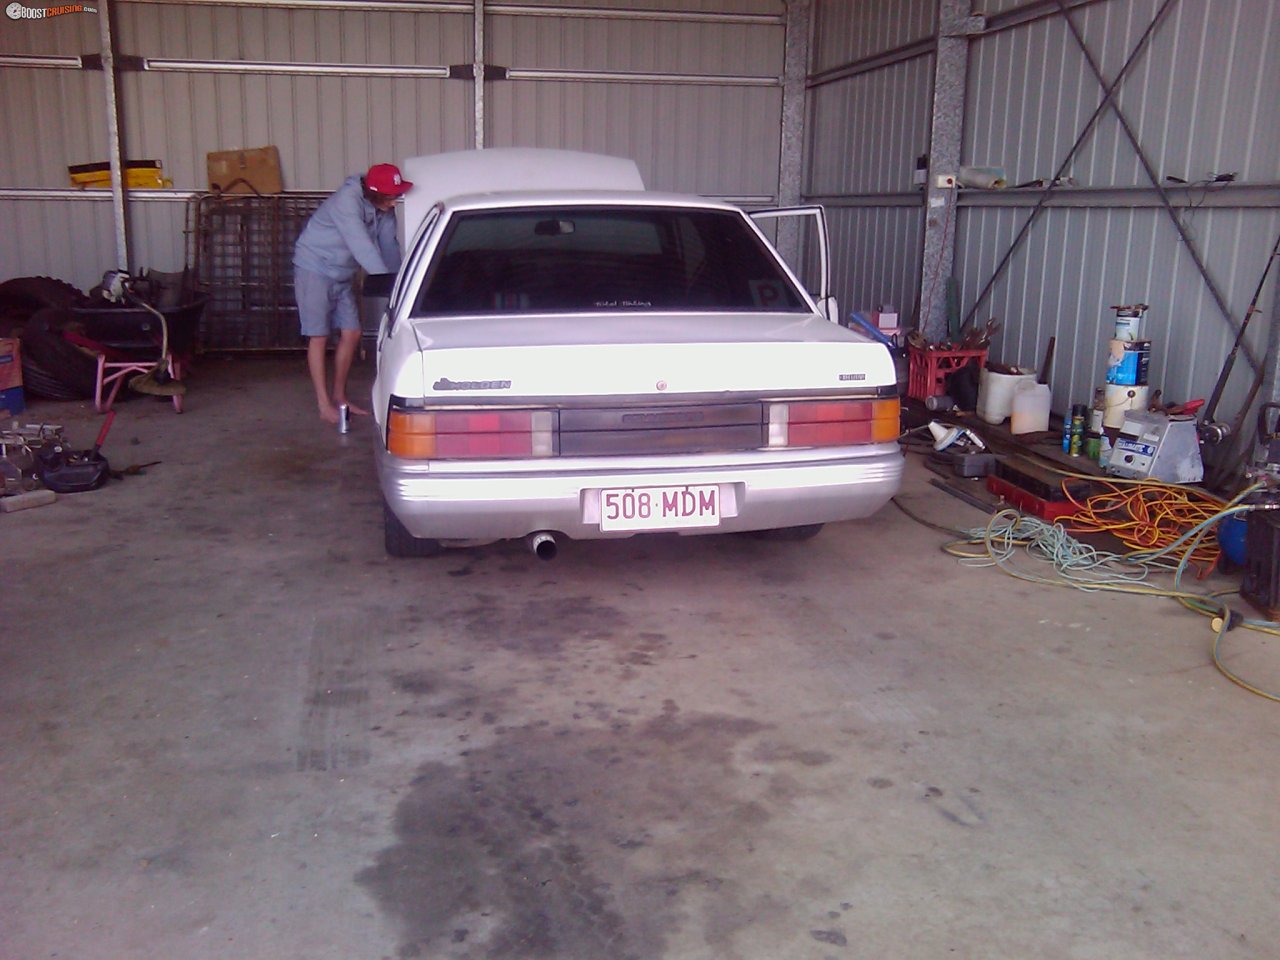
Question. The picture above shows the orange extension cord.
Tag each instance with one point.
(1149, 515)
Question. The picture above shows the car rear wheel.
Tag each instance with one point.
(401, 543)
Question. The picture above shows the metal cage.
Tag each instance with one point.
(241, 249)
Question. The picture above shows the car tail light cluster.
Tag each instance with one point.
(833, 423)
(470, 434)
(497, 434)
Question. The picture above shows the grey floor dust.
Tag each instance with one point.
(230, 726)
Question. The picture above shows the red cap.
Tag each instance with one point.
(385, 178)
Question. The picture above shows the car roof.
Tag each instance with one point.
(499, 200)
(441, 175)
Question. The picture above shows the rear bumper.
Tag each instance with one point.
(760, 490)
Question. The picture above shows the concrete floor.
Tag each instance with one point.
(230, 726)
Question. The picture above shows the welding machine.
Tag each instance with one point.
(1260, 582)
(1157, 446)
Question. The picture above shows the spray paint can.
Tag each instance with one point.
(344, 418)
(1078, 413)
(1093, 435)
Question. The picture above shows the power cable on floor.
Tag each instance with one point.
(1166, 527)
(1082, 567)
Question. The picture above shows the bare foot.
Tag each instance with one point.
(354, 408)
(329, 413)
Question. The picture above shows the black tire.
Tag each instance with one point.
(790, 534)
(23, 297)
(72, 367)
(401, 543)
(39, 382)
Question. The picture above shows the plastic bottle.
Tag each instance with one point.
(1031, 405)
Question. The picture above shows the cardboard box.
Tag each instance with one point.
(10, 363)
(255, 170)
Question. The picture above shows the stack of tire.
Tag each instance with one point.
(38, 310)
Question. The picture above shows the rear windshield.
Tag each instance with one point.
(590, 259)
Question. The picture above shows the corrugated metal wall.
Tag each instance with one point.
(325, 126)
(691, 90)
(1202, 100)
(695, 101)
(51, 118)
(868, 122)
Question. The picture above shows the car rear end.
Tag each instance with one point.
(610, 400)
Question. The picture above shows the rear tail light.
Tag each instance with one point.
(833, 423)
(470, 434)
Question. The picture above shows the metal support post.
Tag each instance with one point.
(791, 149)
(115, 151)
(478, 61)
(951, 63)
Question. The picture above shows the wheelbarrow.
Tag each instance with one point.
(151, 346)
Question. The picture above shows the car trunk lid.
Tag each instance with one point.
(637, 355)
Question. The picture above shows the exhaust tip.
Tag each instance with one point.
(543, 545)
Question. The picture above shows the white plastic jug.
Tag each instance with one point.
(996, 392)
(1031, 408)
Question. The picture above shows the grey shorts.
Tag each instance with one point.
(324, 304)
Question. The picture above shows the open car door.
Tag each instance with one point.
(799, 234)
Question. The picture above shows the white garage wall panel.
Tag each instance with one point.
(51, 118)
(710, 124)
(325, 126)
(1202, 101)
(847, 31)
(691, 139)
(706, 120)
(866, 130)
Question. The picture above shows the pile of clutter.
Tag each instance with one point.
(37, 463)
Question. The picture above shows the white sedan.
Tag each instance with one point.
(601, 362)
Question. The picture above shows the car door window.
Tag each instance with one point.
(800, 236)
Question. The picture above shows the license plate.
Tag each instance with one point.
(659, 508)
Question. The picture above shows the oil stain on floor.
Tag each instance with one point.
(581, 841)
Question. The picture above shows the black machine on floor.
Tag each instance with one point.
(1260, 584)
(72, 471)
(64, 470)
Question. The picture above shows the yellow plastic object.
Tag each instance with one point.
(138, 174)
